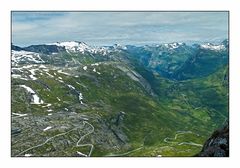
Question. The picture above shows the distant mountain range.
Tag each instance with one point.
(174, 60)
(73, 99)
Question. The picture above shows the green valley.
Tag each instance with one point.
(163, 100)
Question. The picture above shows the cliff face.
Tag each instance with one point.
(218, 144)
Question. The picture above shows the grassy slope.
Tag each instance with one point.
(194, 105)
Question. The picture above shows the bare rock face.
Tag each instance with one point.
(218, 144)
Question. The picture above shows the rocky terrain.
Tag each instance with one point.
(72, 99)
(218, 144)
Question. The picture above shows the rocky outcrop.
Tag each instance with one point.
(218, 144)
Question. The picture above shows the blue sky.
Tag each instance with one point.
(107, 28)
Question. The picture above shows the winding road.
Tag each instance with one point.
(126, 153)
(49, 139)
(171, 140)
(78, 145)
(81, 145)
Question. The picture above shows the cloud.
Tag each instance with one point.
(21, 27)
(105, 28)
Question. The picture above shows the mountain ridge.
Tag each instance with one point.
(167, 59)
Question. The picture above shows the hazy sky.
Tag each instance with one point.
(106, 28)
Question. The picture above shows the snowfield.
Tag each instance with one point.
(35, 98)
(85, 68)
(75, 46)
(213, 47)
(25, 56)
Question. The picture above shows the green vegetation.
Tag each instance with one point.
(135, 111)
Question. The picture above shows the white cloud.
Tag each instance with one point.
(22, 27)
(110, 27)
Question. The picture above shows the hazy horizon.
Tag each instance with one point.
(139, 44)
(125, 28)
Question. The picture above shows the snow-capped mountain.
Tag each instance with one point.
(119, 46)
(215, 47)
(25, 56)
(168, 59)
(76, 46)
(173, 45)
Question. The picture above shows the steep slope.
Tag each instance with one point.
(207, 60)
(218, 144)
(179, 61)
(102, 101)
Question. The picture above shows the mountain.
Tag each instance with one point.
(180, 62)
(73, 99)
(207, 60)
(218, 144)
(44, 49)
(15, 48)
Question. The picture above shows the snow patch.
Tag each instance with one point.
(119, 46)
(75, 46)
(72, 87)
(80, 98)
(213, 47)
(47, 128)
(18, 76)
(94, 70)
(36, 99)
(19, 115)
(27, 66)
(26, 56)
(173, 45)
(27, 155)
(95, 64)
(48, 105)
(32, 76)
(42, 66)
(85, 68)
